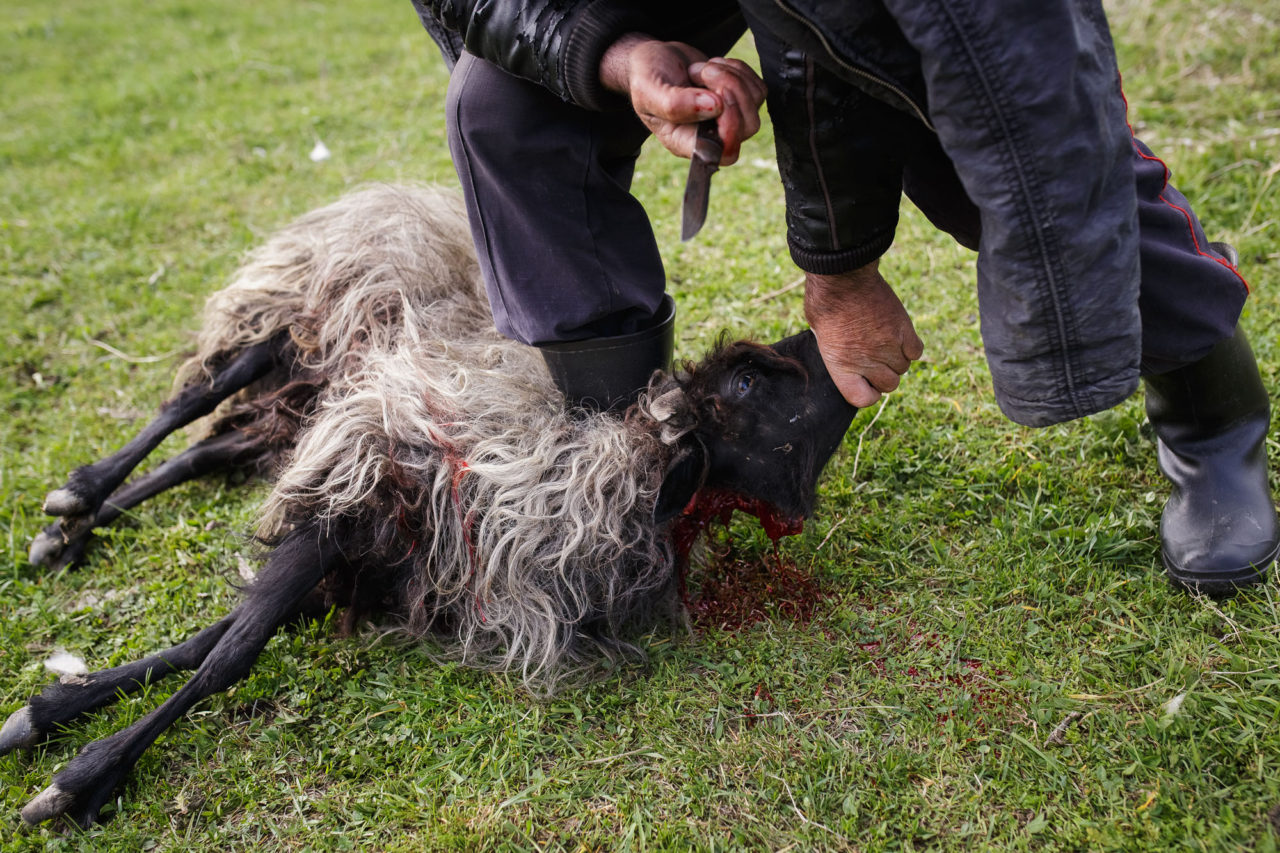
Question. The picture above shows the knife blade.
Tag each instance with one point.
(697, 191)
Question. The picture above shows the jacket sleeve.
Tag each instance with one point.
(557, 45)
(838, 160)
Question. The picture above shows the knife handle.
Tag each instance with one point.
(707, 130)
(708, 147)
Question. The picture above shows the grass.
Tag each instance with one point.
(1000, 664)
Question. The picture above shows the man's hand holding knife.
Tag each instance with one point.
(674, 86)
(697, 107)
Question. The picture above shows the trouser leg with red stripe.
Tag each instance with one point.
(1191, 296)
(1205, 399)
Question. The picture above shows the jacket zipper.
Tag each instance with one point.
(861, 72)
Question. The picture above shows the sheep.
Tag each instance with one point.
(426, 469)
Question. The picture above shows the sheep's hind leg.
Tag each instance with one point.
(79, 500)
(55, 549)
(292, 571)
(73, 695)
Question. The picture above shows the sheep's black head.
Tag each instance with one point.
(761, 423)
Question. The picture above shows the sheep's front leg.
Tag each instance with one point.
(80, 498)
(292, 571)
(60, 544)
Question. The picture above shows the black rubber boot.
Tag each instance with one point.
(607, 374)
(1219, 531)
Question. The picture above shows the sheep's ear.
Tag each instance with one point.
(673, 411)
(685, 475)
(665, 406)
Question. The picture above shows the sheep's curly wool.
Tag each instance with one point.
(528, 534)
(353, 274)
(341, 281)
(525, 532)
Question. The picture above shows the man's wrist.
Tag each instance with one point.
(615, 64)
(823, 292)
(845, 282)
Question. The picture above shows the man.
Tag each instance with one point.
(1004, 123)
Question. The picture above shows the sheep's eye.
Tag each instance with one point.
(744, 383)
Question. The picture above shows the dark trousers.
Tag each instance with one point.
(1189, 295)
(568, 253)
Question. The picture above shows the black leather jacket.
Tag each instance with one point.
(1022, 97)
(559, 45)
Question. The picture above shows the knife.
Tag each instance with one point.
(702, 165)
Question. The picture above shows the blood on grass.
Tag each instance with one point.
(730, 589)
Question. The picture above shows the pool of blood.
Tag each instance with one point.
(734, 589)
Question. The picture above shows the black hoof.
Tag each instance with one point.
(66, 502)
(46, 547)
(18, 732)
(55, 548)
(48, 804)
(81, 806)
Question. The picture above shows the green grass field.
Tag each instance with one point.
(999, 662)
